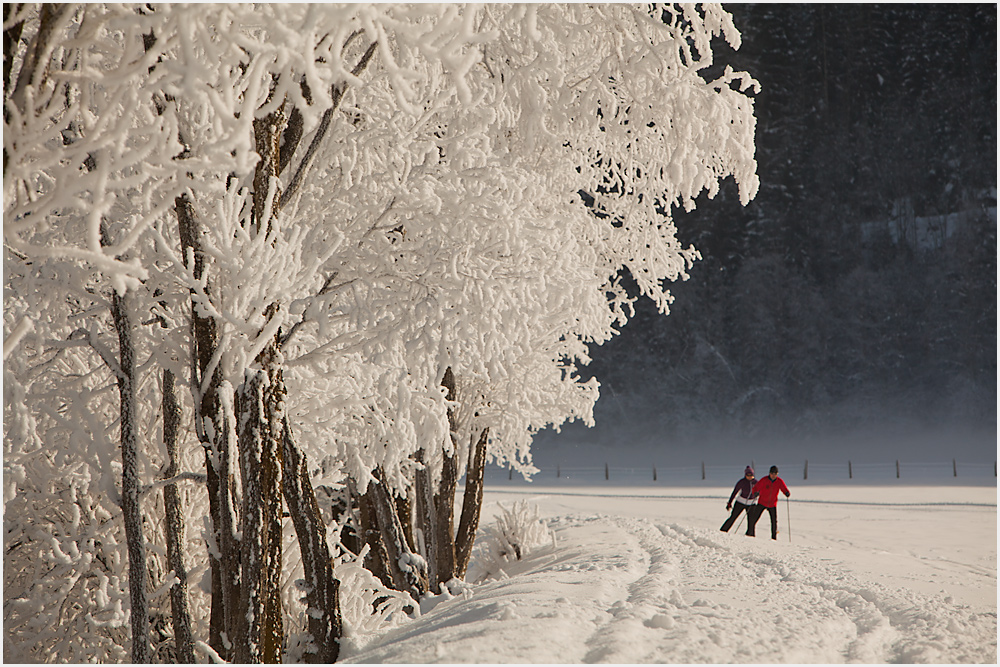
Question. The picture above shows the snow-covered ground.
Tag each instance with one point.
(641, 573)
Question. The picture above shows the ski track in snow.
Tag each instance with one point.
(792, 609)
(631, 590)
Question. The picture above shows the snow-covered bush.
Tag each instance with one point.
(517, 531)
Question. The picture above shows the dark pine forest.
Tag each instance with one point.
(858, 290)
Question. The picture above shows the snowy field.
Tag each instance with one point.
(640, 573)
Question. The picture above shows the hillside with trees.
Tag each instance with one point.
(857, 291)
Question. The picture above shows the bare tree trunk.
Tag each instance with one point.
(444, 500)
(472, 504)
(267, 135)
(34, 67)
(183, 639)
(209, 407)
(11, 37)
(406, 573)
(220, 464)
(131, 510)
(275, 143)
(259, 631)
(246, 633)
(444, 510)
(322, 588)
(272, 629)
(426, 521)
(404, 510)
(376, 561)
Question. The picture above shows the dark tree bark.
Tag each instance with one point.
(246, 637)
(322, 587)
(444, 499)
(273, 636)
(225, 559)
(376, 561)
(131, 510)
(218, 459)
(444, 510)
(426, 520)
(404, 510)
(259, 633)
(34, 68)
(267, 135)
(290, 140)
(183, 639)
(276, 139)
(472, 503)
(405, 573)
(11, 36)
(324, 124)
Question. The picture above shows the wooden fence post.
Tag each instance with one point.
(954, 468)
(703, 470)
(606, 476)
(850, 472)
(805, 472)
(654, 473)
(897, 468)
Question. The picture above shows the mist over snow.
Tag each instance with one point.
(640, 443)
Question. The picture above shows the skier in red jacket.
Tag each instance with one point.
(768, 488)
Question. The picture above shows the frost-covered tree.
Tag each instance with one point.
(503, 279)
(377, 238)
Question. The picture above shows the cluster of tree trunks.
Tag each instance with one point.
(322, 588)
(413, 543)
(246, 619)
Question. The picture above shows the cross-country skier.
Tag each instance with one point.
(745, 499)
(768, 488)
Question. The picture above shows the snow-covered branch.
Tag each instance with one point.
(103, 352)
(196, 477)
(22, 329)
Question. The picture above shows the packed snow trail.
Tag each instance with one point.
(615, 589)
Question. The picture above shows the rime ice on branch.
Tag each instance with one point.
(355, 200)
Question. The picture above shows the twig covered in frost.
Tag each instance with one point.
(23, 328)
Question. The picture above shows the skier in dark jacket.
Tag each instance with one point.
(745, 500)
(768, 488)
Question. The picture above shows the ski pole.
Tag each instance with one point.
(743, 515)
(788, 514)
